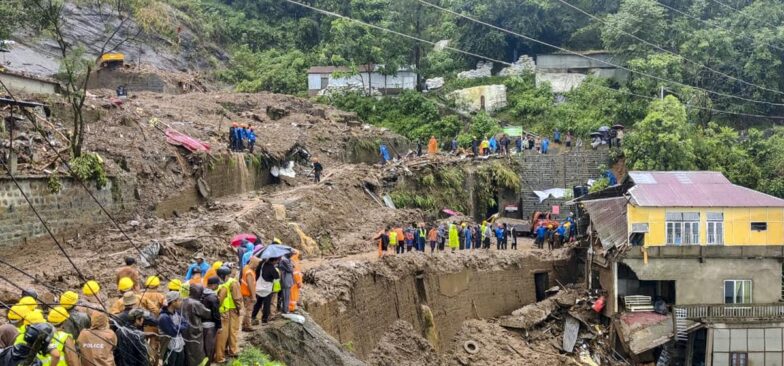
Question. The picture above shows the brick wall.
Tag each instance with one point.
(557, 170)
(65, 212)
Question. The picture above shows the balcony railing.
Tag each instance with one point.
(733, 311)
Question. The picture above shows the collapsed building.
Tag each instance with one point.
(705, 254)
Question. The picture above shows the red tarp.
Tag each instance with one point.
(177, 138)
(237, 239)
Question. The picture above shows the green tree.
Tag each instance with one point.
(643, 18)
(663, 140)
(719, 148)
(272, 70)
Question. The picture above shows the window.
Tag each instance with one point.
(737, 292)
(759, 226)
(683, 228)
(739, 359)
(715, 228)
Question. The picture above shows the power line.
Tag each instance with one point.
(670, 52)
(510, 64)
(593, 58)
(744, 14)
(715, 25)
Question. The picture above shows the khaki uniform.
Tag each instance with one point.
(152, 301)
(96, 345)
(230, 321)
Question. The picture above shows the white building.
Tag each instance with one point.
(324, 77)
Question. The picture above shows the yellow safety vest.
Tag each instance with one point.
(58, 340)
(20, 338)
(228, 301)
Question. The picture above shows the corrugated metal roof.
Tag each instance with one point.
(608, 217)
(694, 189)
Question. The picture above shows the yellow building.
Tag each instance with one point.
(701, 208)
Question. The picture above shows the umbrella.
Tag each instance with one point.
(237, 239)
(595, 134)
(450, 212)
(274, 251)
(618, 127)
(603, 129)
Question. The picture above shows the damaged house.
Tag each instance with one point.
(706, 253)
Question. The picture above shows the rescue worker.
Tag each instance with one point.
(62, 340)
(212, 272)
(35, 341)
(96, 345)
(128, 270)
(467, 236)
(77, 320)
(34, 321)
(196, 278)
(540, 234)
(251, 139)
(266, 274)
(28, 302)
(209, 299)
(125, 285)
(393, 239)
(432, 146)
(454, 240)
(131, 347)
(487, 232)
(229, 297)
(248, 291)
(199, 258)
(475, 146)
(194, 313)
(432, 237)
(401, 239)
(171, 325)
(153, 301)
(286, 281)
(384, 152)
(92, 297)
(317, 170)
(484, 146)
(421, 237)
(14, 327)
(232, 136)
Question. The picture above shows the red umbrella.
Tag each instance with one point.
(237, 239)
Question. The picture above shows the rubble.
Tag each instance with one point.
(483, 70)
(531, 315)
(434, 83)
(401, 345)
(524, 64)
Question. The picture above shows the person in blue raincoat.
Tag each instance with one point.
(384, 154)
(251, 139)
(203, 265)
(238, 135)
(493, 145)
(468, 235)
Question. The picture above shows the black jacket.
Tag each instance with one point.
(209, 299)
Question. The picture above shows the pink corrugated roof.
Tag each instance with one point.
(694, 189)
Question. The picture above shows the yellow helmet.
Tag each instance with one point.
(175, 284)
(217, 264)
(91, 288)
(17, 312)
(34, 317)
(57, 315)
(28, 302)
(68, 299)
(125, 284)
(152, 282)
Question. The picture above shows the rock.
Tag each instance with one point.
(525, 64)
(301, 344)
(483, 70)
(276, 112)
(133, 223)
(191, 244)
(441, 45)
(434, 83)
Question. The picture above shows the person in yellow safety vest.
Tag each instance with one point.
(454, 237)
(15, 326)
(248, 290)
(212, 272)
(229, 296)
(179, 286)
(393, 240)
(124, 285)
(153, 301)
(484, 146)
(77, 320)
(61, 340)
(30, 318)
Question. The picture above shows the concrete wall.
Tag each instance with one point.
(703, 283)
(737, 224)
(20, 83)
(403, 80)
(556, 170)
(226, 175)
(763, 343)
(376, 301)
(65, 212)
(133, 81)
(569, 61)
(470, 99)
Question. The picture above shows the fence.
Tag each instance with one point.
(733, 311)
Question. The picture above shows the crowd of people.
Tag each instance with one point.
(241, 137)
(194, 322)
(464, 236)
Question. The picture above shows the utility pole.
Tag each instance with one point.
(661, 92)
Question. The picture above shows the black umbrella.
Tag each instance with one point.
(603, 129)
(618, 127)
(595, 134)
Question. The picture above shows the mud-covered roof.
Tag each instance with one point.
(694, 189)
(608, 216)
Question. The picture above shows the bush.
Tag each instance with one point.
(89, 166)
(271, 70)
(254, 357)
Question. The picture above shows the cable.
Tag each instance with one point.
(743, 14)
(51, 288)
(670, 52)
(510, 64)
(716, 25)
(591, 58)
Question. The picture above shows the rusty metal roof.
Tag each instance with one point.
(694, 189)
(608, 216)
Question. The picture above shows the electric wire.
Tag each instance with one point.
(696, 63)
(743, 14)
(592, 58)
(326, 12)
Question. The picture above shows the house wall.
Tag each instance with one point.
(737, 224)
(403, 80)
(703, 283)
(764, 343)
(27, 85)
